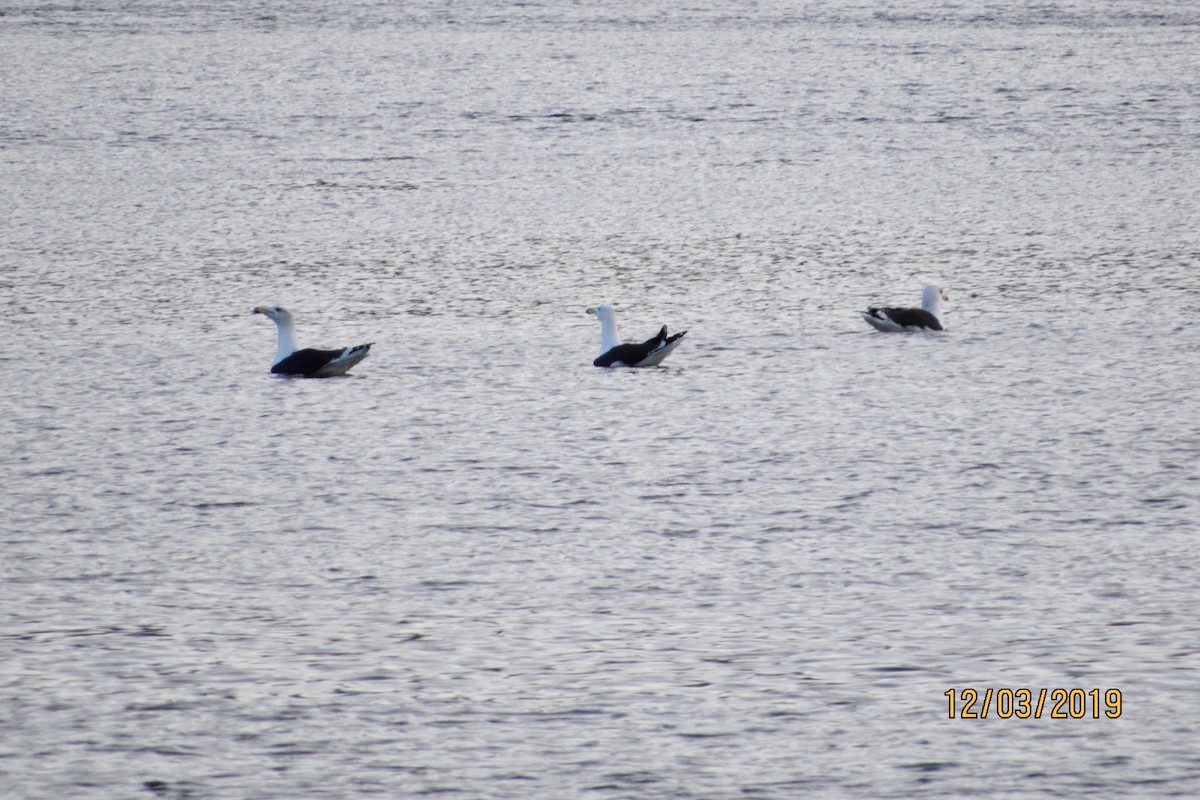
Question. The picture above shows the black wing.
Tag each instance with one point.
(305, 362)
(627, 354)
(906, 317)
(633, 353)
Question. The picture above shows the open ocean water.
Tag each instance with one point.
(480, 567)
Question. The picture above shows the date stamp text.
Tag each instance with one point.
(1035, 703)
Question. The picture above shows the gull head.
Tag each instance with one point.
(277, 313)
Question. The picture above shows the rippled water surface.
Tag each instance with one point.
(482, 568)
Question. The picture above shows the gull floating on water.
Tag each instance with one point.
(310, 363)
(926, 318)
(613, 353)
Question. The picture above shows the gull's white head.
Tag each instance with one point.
(932, 297)
(608, 326)
(603, 312)
(278, 313)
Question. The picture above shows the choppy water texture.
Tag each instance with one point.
(480, 567)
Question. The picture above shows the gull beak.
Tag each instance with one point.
(591, 311)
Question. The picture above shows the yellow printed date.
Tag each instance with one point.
(1035, 703)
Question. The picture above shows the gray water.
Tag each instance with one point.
(480, 567)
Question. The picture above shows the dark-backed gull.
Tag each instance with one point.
(926, 318)
(613, 353)
(310, 363)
